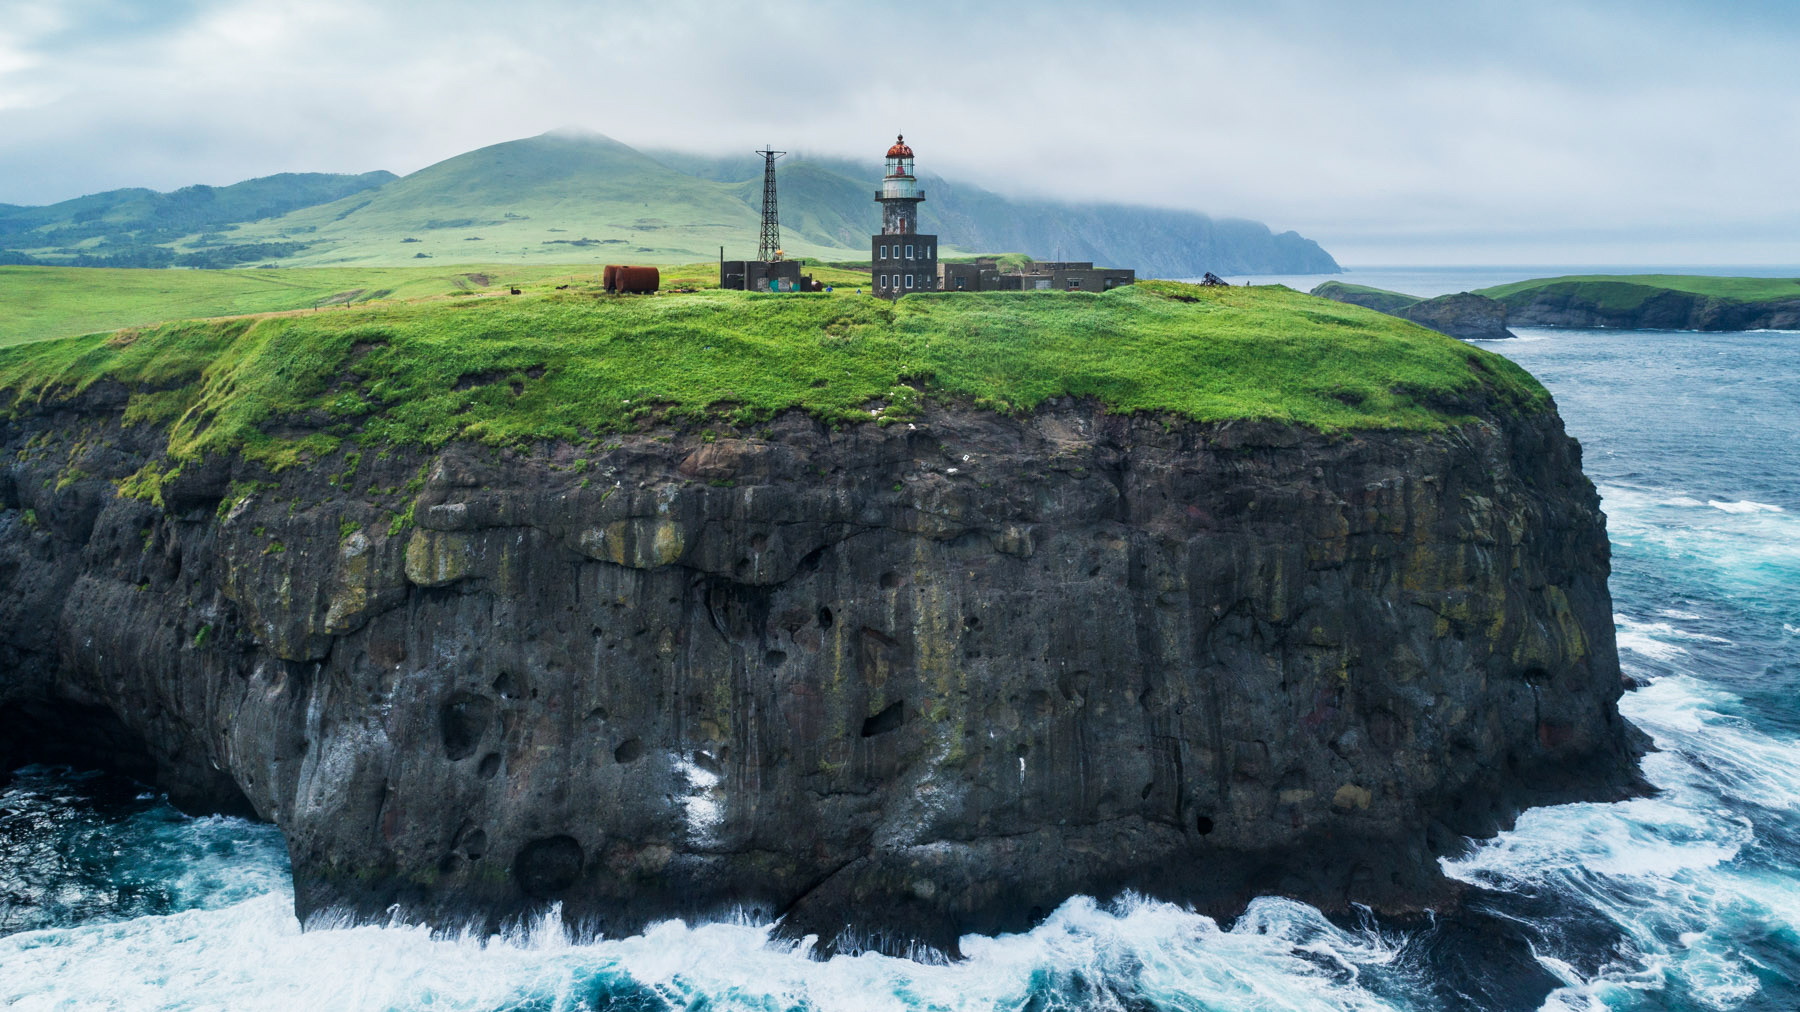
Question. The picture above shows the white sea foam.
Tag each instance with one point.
(1744, 506)
(252, 955)
(1664, 869)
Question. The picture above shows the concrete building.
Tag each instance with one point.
(901, 259)
(984, 275)
(762, 275)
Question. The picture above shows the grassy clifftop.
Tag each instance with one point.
(1362, 295)
(561, 365)
(1628, 291)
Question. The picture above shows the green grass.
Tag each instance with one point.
(44, 302)
(573, 366)
(1628, 291)
(1375, 298)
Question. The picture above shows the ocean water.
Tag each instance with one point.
(1687, 900)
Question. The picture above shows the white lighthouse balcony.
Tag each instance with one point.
(900, 188)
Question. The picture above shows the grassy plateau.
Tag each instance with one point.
(43, 302)
(1628, 291)
(572, 365)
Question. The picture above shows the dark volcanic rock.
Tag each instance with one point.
(1470, 317)
(1464, 315)
(890, 683)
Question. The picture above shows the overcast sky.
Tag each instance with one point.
(1645, 132)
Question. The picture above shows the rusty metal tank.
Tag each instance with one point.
(630, 280)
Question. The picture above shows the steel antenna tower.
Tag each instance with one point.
(771, 222)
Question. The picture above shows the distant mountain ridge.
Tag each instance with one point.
(129, 227)
(568, 197)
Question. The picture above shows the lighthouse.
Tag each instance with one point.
(901, 259)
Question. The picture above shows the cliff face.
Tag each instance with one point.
(1570, 306)
(900, 682)
(1463, 315)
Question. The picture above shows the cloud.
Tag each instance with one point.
(1390, 132)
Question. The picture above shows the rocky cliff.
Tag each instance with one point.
(1463, 315)
(890, 683)
(1586, 305)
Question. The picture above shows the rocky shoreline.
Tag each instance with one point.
(889, 683)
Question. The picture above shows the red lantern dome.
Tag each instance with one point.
(900, 150)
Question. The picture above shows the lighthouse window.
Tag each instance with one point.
(909, 248)
(909, 278)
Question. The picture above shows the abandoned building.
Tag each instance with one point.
(985, 275)
(901, 260)
(763, 275)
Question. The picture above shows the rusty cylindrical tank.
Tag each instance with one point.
(609, 276)
(638, 280)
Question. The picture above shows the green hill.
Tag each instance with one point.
(1652, 302)
(572, 366)
(1379, 299)
(584, 198)
(1626, 290)
(128, 228)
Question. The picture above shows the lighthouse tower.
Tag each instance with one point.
(902, 260)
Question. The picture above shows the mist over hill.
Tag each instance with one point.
(566, 197)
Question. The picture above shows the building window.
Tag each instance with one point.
(883, 253)
(928, 252)
(961, 283)
(909, 248)
(909, 278)
(1074, 284)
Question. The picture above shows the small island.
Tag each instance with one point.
(894, 620)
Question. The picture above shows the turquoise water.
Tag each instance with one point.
(1686, 900)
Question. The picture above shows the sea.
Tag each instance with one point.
(1688, 899)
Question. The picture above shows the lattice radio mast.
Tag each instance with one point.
(770, 247)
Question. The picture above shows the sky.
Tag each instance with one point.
(1393, 132)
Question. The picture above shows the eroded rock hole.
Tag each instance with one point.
(1203, 825)
(890, 580)
(972, 623)
(889, 719)
(824, 618)
(629, 751)
(546, 867)
(490, 765)
(809, 563)
(774, 658)
(463, 720)
(510, 686)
